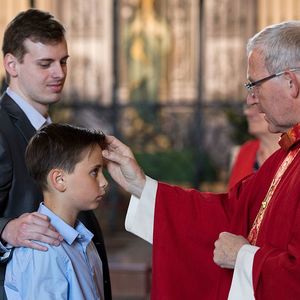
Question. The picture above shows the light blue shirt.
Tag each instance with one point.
(71, 271)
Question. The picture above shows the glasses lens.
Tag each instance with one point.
(249, 86)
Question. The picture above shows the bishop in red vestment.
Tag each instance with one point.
(200, 239)
(187, 223)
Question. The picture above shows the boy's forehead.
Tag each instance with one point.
(94, 151)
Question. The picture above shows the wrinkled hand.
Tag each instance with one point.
(123, 167)
(30, 227)
(227, 248)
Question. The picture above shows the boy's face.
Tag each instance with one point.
(85, 186)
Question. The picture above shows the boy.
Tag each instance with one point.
(35, 56)
(66, 162)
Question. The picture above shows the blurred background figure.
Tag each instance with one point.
(248, 157)
(147, 39)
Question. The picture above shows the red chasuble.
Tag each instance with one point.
(188, 222)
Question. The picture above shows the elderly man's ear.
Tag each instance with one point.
(293, 83)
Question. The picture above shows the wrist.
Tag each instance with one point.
(4, 231)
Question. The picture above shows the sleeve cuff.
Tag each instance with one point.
(242, 283)
(6, 255)
(140, 213)
(5, 248)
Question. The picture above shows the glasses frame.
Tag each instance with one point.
(250, 85)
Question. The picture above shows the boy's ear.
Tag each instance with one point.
(10, 64)
(57, 180)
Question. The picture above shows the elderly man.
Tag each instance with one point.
(244, 244)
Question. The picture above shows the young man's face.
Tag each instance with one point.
(85, 186)
(40, 77)
(257, 124)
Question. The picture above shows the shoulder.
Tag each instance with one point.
(248, 150)
(34, 274)
(27, 259)
(250, 145)
(4, 117)
(6, 123)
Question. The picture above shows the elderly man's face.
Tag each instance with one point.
(271, 96)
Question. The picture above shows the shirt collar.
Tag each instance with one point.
(69, 233)
(36, 119)
(290, 138)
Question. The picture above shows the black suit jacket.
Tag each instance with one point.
(18, 191)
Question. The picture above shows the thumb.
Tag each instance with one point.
(113, 156)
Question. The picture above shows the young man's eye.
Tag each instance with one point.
(44, 65)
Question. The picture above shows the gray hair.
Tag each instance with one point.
(279, 44)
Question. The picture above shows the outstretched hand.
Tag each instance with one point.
(30, 227)
(227, 248)
(123, 167)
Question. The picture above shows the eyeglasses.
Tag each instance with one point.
(250, 85)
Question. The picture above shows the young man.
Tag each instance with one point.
(244, 244)
(35, 58)
(67, 164)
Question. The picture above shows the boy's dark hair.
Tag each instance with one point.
(59, 146)
(33, 24)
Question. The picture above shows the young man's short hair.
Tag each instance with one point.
(33, 24)
(59, 146)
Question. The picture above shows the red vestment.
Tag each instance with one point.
(244, 163)
(188, 222)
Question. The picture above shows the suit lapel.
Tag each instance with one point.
(18, 117)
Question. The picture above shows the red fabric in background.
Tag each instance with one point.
(244, 162)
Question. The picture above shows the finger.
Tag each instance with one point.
(216, 259)
(109, 139)
(34, 218)
(37, 231)
(108, 156)
(33, 245)
(227, 234)
(222, 234)
(217, 243)
(49, 239)
(115, 157)
(115, 145)
(24, 215)
(29, 238)
(40, 216)
(223, 266)
(42, 221)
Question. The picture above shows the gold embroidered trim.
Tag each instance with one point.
(253, 234)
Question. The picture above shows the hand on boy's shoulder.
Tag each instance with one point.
(28, 228)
